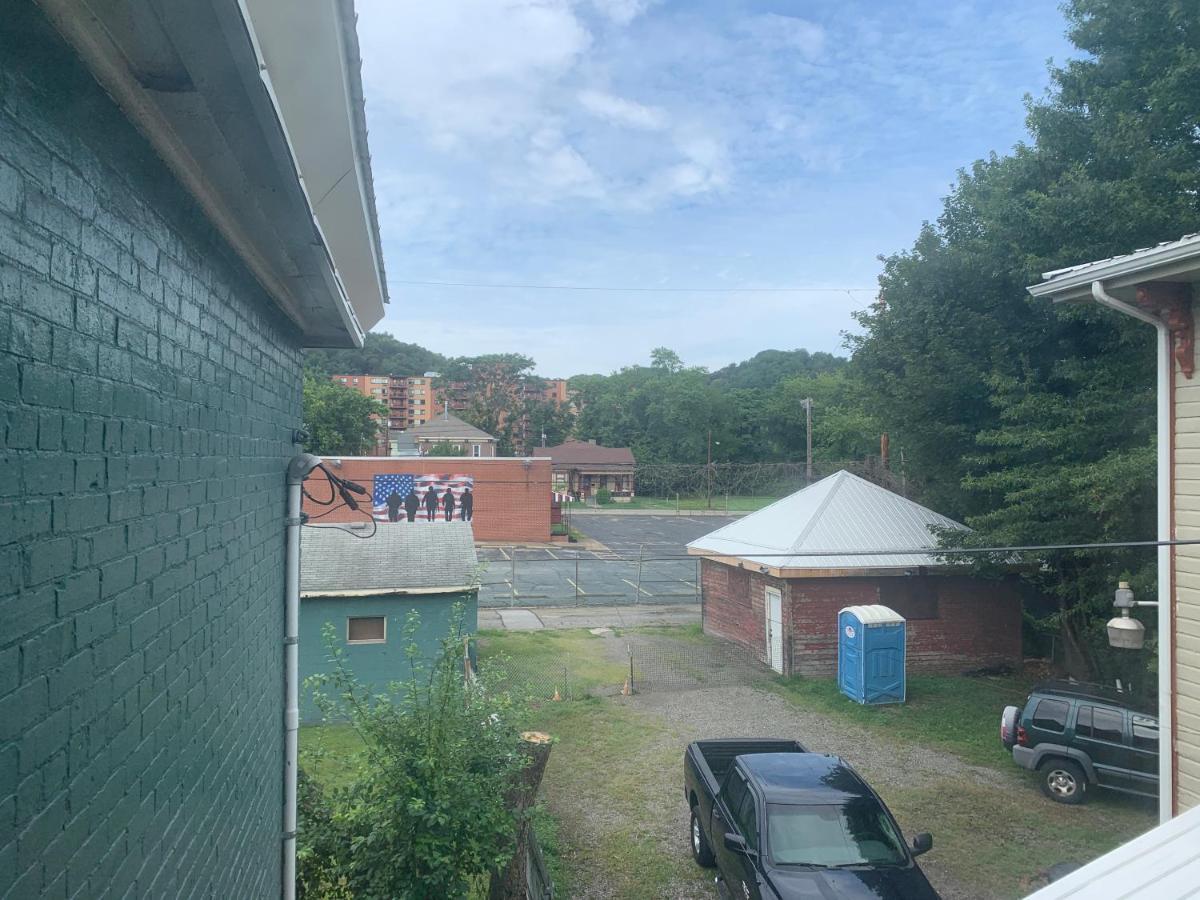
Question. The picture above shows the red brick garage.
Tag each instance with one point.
(786, 571)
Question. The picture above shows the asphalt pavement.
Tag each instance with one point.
(637, 560)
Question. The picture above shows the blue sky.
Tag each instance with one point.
(678, 145)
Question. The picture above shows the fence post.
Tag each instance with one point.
(576, 577)
(630, 646)
(727, 503)
(513, 584)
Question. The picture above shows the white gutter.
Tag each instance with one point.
(1166, 743)
(297, 471)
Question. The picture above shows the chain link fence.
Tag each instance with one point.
(562, 577)
(634, 662)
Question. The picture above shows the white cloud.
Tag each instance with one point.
(789, 32)
(622, 12)
(620, 111)
(471, 69)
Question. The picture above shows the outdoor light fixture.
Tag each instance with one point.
(1126, 632)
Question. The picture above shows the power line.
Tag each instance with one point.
(632, 289)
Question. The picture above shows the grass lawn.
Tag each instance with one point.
(984, 836)
(610, 822)
(961, 715)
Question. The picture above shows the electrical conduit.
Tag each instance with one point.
(298, 470)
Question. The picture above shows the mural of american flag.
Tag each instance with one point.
(404, 485)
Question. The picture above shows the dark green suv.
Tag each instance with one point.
(1077, 735)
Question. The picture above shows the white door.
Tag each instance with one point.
(774, 611)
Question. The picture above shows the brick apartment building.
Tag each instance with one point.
(409, 398)
(762, 585)
(413, 400)
(511, 496)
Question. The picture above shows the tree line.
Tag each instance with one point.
(1032, 423)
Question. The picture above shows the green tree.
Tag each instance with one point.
(445, 448)
(665, 359)
(425, 814)
(380, 354)
(340, 421)
(1030, 421)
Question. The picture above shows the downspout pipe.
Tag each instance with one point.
(298, 469)
(1166, 725)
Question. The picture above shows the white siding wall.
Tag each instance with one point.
(1187, 587)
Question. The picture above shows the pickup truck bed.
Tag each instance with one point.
(712, 759)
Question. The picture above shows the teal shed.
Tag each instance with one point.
(365, 588)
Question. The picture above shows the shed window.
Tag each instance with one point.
(911, 597)
(366, 630)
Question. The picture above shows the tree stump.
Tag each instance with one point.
(511, 882)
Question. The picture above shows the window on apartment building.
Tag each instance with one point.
(377, 391)
(379, 381)
(366, 630)
(356, 381)
(476, 450)
(342, 380)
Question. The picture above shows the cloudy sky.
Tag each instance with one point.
(727, 145)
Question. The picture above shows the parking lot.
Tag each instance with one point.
(639, 563)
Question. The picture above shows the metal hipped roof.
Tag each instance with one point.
(401, 557)
(1163, 864)
(823, 525)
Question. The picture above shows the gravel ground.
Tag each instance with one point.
(740, 711)
(691, 710)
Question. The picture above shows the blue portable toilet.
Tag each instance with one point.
(871, 654)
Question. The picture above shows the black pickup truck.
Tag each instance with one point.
(780, 823)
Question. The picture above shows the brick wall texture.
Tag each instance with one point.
(977, 624)
(148, 390)
(512, 499)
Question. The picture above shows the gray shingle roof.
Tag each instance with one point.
(831, 519)
(448, 427)
(400, 557)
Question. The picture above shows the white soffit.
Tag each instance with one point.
(310, 51)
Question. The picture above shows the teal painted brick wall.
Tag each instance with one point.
(148, 390)
(376, 664)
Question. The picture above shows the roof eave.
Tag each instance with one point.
(1175, 262)
(191, 79)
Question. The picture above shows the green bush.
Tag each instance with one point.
(426, 814)
(604, 495)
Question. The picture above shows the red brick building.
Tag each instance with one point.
(510, 497)
(775, 581)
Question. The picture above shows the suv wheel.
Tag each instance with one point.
(1063, 781)
(701, 852)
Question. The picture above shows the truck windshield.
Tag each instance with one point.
(855, 833)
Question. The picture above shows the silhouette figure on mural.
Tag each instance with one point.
(411, 504)
(393, 505)
(467, 502)
(448, 504)
(431, 503)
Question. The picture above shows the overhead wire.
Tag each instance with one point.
(633, 289)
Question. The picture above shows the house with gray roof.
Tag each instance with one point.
(360, 589)
(775, 581)
(448, 429)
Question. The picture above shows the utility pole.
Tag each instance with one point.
(808, 441)
(708, 492)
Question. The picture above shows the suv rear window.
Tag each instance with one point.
(1145, 733)
(1051, 715)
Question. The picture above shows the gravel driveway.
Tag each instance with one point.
(674, 718)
